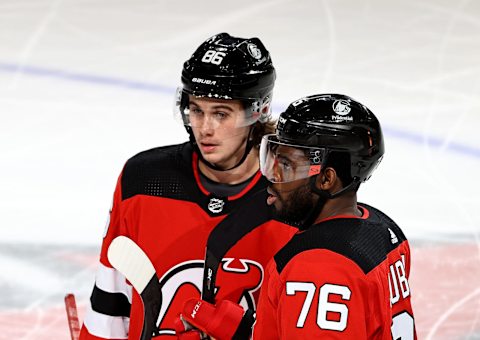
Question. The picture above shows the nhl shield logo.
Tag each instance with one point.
(216, 205)
(341, 107)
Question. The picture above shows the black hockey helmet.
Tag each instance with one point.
(324, 125)
(227, 67)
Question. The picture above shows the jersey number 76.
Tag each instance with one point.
(402, 324)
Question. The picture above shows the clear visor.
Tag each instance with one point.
(281, 162)
(214, 111)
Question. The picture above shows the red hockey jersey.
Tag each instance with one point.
(344, 278)
(161, 205)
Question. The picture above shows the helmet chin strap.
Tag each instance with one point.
(323, 196)
(248, 147)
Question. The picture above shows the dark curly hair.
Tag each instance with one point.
(262, 129)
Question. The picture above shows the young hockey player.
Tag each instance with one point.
(345, 274)
(168, 200)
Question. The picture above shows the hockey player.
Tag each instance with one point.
(345, 274)
(169, 199)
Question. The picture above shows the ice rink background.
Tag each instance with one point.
(86, 84)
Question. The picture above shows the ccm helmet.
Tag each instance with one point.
(320, 128)
(227, 67)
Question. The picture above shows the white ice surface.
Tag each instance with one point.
(86, 84)
(72, 109)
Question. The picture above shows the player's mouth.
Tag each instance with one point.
(272, 197)
(208, 147)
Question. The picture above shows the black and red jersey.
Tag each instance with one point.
(160, 203)
(343, 278)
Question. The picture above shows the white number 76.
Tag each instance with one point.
(324, 306)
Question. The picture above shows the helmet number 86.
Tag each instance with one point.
(213, 57)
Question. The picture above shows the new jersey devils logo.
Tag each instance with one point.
(237, 280)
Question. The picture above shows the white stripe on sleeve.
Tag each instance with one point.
(112, 281)
(105, 326)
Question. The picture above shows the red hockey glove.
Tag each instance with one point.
(223, 321)
(185, 331)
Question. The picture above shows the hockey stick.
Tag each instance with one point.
(227, 233)
(130, 260)
(72, 316)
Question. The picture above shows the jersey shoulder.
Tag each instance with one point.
(367, 241)
(163, 171)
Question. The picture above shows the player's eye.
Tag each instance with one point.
(220, 115)
(285, 164)
(196, 111)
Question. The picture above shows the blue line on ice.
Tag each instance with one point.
(408, 136)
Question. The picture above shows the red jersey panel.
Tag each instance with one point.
(159, 204)
(344, 278)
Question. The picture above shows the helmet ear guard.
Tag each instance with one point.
(265, 109)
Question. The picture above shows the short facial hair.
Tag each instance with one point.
(298, 208)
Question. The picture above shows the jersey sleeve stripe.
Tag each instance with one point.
(106, 326)
(112, 281)
(113, 304)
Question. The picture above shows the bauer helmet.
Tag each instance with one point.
(227, 67)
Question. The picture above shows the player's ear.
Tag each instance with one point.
(327, 179)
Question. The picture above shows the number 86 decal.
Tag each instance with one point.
(213, 57)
